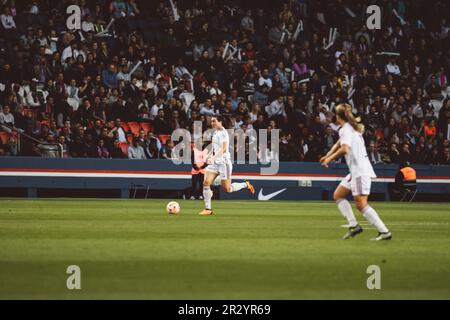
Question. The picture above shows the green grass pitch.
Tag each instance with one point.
(248, 250)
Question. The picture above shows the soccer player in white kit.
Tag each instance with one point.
(220, 164)
(351, 145)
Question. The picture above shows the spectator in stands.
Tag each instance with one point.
(393, 153)
(102, 150)
(264, 79)
(7, 119)
(90, 148)
(71, 51)
(329, 139)
(110, 77)
(118, 132)
(135, 151)
(432, 157)
(261, 95)
(62, 142)
(374, 155)
(159, 105)
(116, 151)
(430, 128)
(166, 150)
(160, 125)
(207, 108)
(152, 146)
(10, 148)
(9, 25)
(446, 157)
(276, 109)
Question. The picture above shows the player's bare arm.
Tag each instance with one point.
(332, 150)
(340, 152)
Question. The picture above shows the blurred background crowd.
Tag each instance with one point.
(137, 70)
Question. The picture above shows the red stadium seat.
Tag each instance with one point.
(379, 133)
(147, 127)
(124, 147)
(134, 127)
(164, 137)
(4, 136)
(130, 138)
(125, 127)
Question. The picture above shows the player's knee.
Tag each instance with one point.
(337, 196)
(226, 188)
(361, 204)
(206, 183)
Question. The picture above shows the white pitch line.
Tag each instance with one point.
(406, 224)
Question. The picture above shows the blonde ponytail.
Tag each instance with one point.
(344, 110)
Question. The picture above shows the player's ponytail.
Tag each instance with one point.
(344, 111)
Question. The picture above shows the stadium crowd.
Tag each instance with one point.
(118, 88)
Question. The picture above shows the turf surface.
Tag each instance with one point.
(248, 250)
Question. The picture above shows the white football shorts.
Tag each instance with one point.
(360, 186)
(223, 169)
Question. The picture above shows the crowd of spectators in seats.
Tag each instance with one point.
(118, 89)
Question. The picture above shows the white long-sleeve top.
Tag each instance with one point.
(275, 109)
(7, 21)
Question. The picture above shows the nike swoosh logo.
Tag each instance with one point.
(269, 196)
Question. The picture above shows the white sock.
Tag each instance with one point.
(207, 195)
(372, 216)
(238, 186)
(346, 209)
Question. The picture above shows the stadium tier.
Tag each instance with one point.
(140, 70)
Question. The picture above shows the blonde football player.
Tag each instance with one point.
(219, 164)
(351, 145)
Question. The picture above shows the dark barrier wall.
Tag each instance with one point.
(298, 180)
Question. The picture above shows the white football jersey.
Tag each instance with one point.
(357, 159)
(219, 137)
